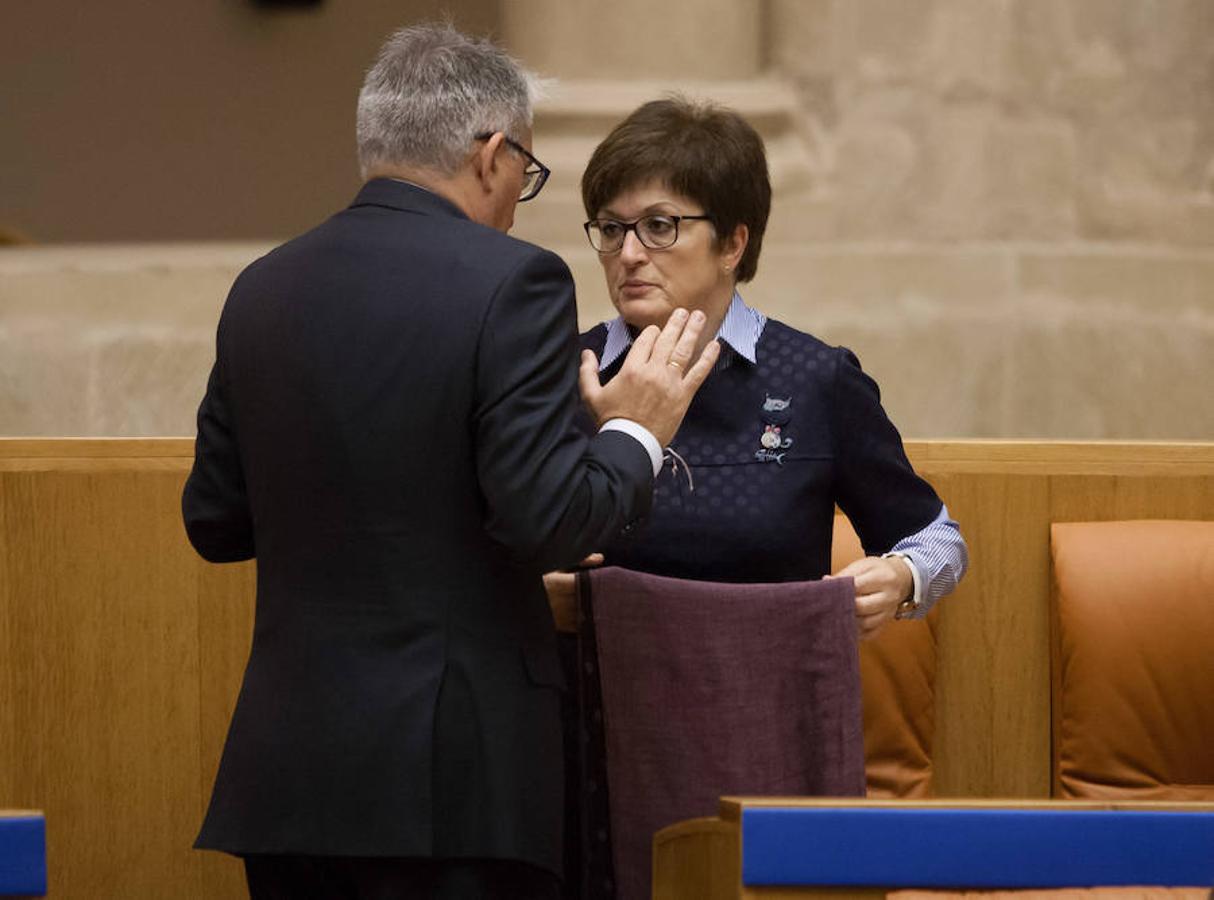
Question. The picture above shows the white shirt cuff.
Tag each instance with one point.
(642, 434)
(916, 576)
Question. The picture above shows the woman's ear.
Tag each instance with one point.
(734, 246)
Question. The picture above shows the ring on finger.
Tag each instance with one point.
(673, 364)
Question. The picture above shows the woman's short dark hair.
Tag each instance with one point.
(705, 152)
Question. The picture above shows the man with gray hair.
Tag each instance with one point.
(388, 428)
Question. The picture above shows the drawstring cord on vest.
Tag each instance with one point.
(675, 461)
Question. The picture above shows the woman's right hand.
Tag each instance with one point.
(562, 593)
(881, 584)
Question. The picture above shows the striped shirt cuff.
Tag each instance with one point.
(939, 555)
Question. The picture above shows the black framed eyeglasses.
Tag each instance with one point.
(657, 232)
(535, 173)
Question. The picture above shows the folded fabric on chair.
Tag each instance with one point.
(711, 689)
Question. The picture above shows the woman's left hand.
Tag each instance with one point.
(562, 593)
(881, 584)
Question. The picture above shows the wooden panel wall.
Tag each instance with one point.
(121, 652)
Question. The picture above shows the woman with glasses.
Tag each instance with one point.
(787, 426)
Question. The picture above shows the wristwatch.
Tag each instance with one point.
(907, 607)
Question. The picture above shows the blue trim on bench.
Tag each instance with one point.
(972, 848)
(22, 855)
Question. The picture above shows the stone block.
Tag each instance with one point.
(877, 182)
(868, 279)
(1064, 61)
(803, 220)
(1147, 182)
(971, 49)
(956, 174)
(110, 341)
(803, 37)
(1114, 343)
(146, 381)
(632, 39)
(883, 42)
(1109, 374)
(1100, 59)
(1115, 279)
(1031, 180)
(43, 381)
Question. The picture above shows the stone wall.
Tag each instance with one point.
(974, 340)
(1006, 207)
(1068, 148)
(961, 120)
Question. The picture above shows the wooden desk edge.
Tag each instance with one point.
(95, 447)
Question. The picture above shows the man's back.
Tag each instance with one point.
(388, 429)
(354, 348)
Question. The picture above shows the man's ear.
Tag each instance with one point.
(484, 160)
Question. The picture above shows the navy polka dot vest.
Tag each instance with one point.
(770, 448)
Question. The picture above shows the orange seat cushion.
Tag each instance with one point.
(1132, 673)
(898, 679)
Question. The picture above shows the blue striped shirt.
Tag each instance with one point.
(740, 330)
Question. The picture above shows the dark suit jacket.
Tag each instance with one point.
(388, 429)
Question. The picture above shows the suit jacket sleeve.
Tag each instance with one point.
(553, 494)
(214, 505)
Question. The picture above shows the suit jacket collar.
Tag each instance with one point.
(404, 195)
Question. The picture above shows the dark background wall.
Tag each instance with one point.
(187, 119)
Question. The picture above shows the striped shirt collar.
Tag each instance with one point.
(740, 331)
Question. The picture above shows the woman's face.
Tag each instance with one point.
(696, 272)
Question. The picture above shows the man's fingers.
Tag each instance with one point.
(685, 346)
(656, 383)
(678, 322)
(642, 347)
(699, 371)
